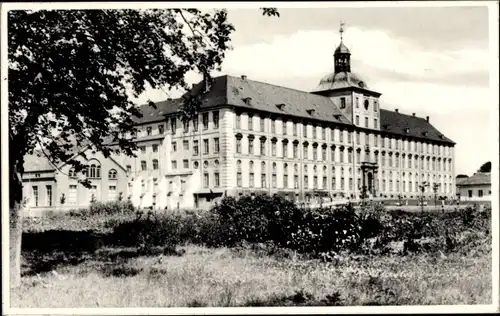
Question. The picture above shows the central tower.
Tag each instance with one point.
(348, 91)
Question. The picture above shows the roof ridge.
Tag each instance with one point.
(283, 87)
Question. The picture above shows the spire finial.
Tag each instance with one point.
(341, 30)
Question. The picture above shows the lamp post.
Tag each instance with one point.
(422, 189)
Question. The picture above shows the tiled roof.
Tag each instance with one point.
(230, 90)
(477, 179)
(402, 124)
(37, 162)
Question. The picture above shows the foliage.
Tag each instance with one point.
(104, 208)
(486, 167)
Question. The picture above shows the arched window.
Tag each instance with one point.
(98, 171)
(112, 174)
(92, 171)
(251, 165)
(155, 164)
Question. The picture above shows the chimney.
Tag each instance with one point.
(243, 77)
(397, 110)
(427, 118)
(413, 114)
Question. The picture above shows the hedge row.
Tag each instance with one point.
(274, 221)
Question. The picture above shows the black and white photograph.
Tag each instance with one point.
(191, 157)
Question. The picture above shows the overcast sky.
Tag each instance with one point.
(431, 61)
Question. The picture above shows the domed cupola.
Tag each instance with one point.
(342, 76)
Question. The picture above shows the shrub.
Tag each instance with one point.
(105, 208)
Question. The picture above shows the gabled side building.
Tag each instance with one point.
(252, 138)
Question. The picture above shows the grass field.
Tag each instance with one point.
(243, 276)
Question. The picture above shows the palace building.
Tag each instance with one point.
(253, 138)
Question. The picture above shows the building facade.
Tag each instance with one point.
(253, 138)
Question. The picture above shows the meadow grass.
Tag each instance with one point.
(228, 277)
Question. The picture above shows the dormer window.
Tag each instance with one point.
(426, 133)
(407, 130)
(337, 116)
(248, 100)
(310, 111)
(280, 106)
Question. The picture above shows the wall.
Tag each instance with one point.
(464, 192)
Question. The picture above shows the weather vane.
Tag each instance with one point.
(342, 24)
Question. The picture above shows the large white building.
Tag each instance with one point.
(252, 137)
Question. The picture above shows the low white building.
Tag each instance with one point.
(475, 188)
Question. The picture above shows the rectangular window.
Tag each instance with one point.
(375, 123)
(216, 145)
(149, 130)
(185, 164)
(274, 181)
(143, 149)
(480, 193)
(173, 125)
(294, 126)
(315, 153)
(155, 164)
(238, 145)
(206, 180)
(185, 125)
(273, 149)
(196, 150)
(205, 121)
(250, 146)
(215, 118)
(238, 121)
(273, 126)
(295, 150)
(195, 124)
(341, 156)
(358, 141)
(72, 195)
(143, 165)
(357, 102)
(174, 146)
(155, 148)
(216, 179)
(112, 193)
(263, 180)
(315, 182)
(262, 147)
(250, 122)
(252, 180)
(305, 152)
(367, 139)
(349, 137)
(366, 122)
(342, 103)
(185, 144)
(314, 131)
(295, 182)
(323, 133)
(304, 130)
(306, 182)
(285, 150)
(49, 195)
(285, 181)
(238, 179)
(183, 185)
(262, 124)
(323, 153)
(174, 164)
(160, 129)
(357, 120)
(205, 146)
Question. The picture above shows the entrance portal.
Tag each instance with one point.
(370, 183)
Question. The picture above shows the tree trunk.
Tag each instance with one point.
(16, 209)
